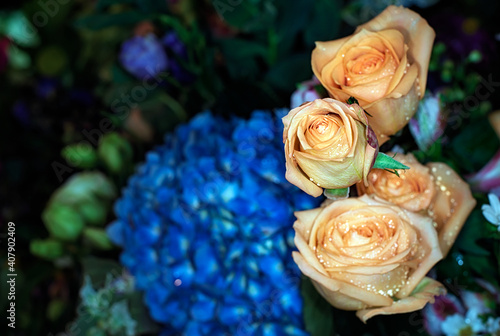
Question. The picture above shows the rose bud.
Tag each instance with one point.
(383, 65)
(434, 190)
(328, 144)
(368, 255)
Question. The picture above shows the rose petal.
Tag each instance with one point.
(393, 112)
(322, 55)
(433, 254)
(305, 221)
(340, 294)
(417, 32)
(459, 202)
(415, 301)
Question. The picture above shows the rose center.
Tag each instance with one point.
(367, 64)
(323, 129)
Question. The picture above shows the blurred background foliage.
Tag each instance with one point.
(89, 86)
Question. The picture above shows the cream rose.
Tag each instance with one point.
(368, 255)
(383, 65)
(328, 144)
(434, 190)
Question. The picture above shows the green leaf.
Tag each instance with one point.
(384, 161)
(48, 249)
(475, 145)
(285, 74)
(318, 317)
(325, 22)
(18, 58)
(352, 100)
(482, 266)
(242, 56)
(81, 155)
(473, 230)
(63, 222)
(291, 21)
(97, 238)
(139, 312)
(248, 16)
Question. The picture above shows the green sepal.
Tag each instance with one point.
(352, 100)
(336, 194)
(384, 161)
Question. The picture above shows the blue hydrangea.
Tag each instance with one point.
(206, 228)
(143, 56)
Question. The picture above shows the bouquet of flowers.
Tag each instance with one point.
(205, 223)
(371, 253)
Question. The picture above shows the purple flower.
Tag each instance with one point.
(428, 123)
(174, 43)
(177, 51)
(436, 313)
(143, 56)
(305, 92)
(488, 178)
(459, 315)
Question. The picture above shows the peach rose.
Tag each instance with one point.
(383, 65)
(328, 144)
(368, 255)
(434, 190)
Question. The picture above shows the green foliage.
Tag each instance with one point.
(49, 249)
(384, 161)
(475, 145)
(97, 238)
(474, 229)
(83, 200)
(115, 152)
(289, 71)
(318, 315)
(63, 222)
(109, 304)
(326, 13)
(277, 51)
(81, 155)
(248, 16)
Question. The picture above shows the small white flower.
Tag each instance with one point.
(493, 325)
(492, 211)
(455, 325)
(472, 318)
